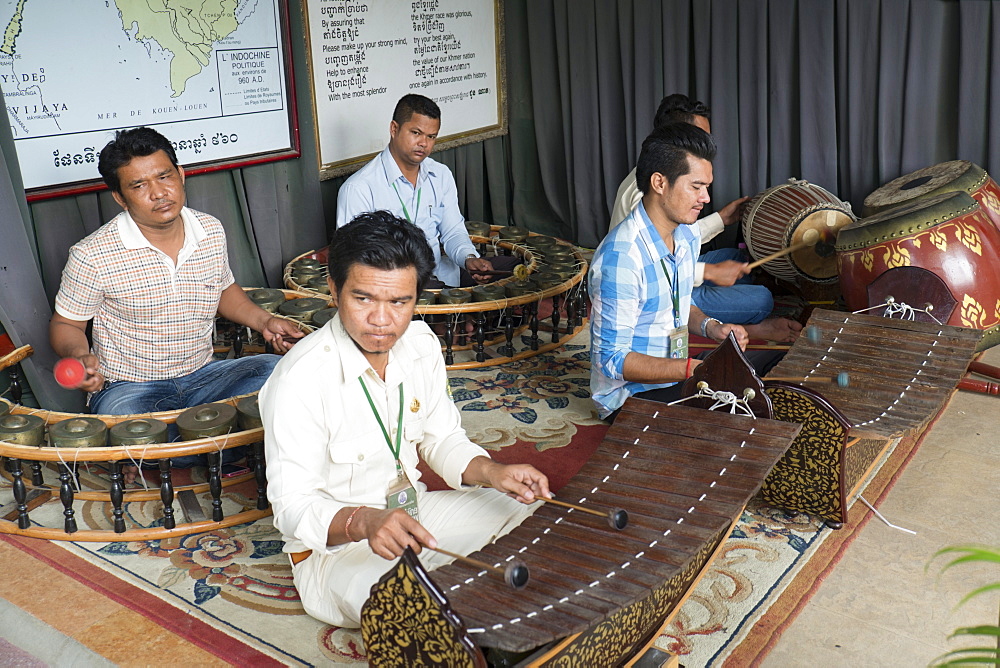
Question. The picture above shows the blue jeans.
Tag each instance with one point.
(217, 380)
(740, 304)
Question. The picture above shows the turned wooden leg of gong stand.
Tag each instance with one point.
(449, 340)
(508, 333)
(480, 337)
(555, 318)
(533, 324)
(167, 493)
(117, 496)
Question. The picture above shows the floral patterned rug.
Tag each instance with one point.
(237, 584)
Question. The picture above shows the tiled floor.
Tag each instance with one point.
(882, 605)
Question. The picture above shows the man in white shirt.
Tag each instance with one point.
(723, 288)
(346, 414)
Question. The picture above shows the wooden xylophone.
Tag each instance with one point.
(901, 374)
(595, 595)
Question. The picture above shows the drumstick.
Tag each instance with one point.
(492, 272)
(821, 240)
(617, 518)
(515, 574)
(841, 379)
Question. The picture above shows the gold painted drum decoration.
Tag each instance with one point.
(782, 216)
(951, 176)
(948, 235)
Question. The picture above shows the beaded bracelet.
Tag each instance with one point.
(347, 525)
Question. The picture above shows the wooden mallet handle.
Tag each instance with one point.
(617, 518)
(515, 574)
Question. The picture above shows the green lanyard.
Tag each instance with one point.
(405, 212)
(675, 290)
(399, 427)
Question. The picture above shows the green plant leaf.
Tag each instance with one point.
(980, 590)
(977, 631)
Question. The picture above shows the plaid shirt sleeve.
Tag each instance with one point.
(614, 287)
(81, 291)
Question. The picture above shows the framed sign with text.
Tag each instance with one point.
(366, 54)
(213, 77)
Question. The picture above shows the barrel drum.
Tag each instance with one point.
(949, 235)
(781, 216)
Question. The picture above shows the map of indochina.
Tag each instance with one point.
(188, 29)
(209, 74)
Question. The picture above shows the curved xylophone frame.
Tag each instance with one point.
(596, 596)
(497, 322)
(30, 490)
(845, 430)
(901, 374)
(29, 493)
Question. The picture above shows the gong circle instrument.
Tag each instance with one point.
(35, 443)
(484, 324)
(789, 215)
(951, 176)
(949, 236)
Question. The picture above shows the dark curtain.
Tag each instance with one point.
(847, 94)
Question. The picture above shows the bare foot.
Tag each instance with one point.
(130, 472)
(775, 329)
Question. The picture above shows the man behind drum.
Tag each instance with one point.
(152, 280)
(722, 286)
(642, 275)
(346, 413)
(406, 181)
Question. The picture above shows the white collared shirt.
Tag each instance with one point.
(324, 447)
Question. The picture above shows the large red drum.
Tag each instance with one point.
(946, 177)
(781, 216)
(948, 235)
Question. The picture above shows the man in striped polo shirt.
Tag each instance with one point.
(152, 280)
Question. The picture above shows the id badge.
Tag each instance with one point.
(679, 342)
(403, 495)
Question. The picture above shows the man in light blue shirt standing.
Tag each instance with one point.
(404, 180)
(642, 276)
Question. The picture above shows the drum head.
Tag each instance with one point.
(940, 178)
(818, 262)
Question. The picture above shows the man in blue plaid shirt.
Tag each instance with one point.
(643, 273)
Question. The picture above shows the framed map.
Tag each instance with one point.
(210, 75)
(365, 55)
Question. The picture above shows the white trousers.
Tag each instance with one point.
(333, 587)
